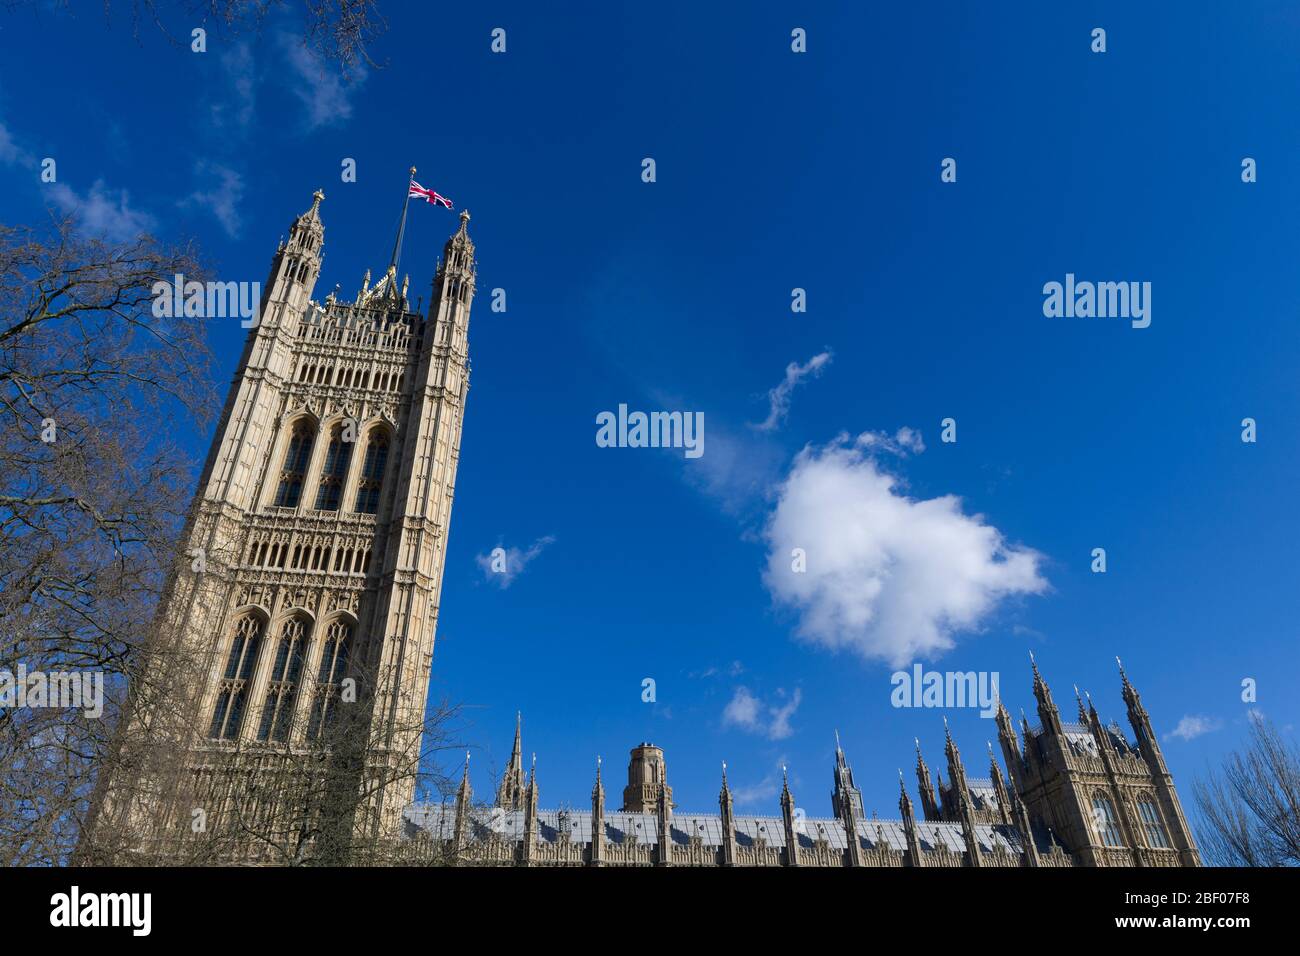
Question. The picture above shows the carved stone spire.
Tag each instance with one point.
(845, 791)
(914, 857)
(463, 797)
(790, 821)
(929, 805)
(598, 819)
(999, 787)
(728, 821)
(1047, 712)
(530, 815)
(510, 795)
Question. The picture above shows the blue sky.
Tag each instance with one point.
(778, 170)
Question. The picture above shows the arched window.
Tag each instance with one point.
(1107, 824)
(329, 680)
(1151, 823)
(295, 465)
(232, 692)
(335, 472)
(372, 473)
(286, 678)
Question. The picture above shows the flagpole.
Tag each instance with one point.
(401, 226)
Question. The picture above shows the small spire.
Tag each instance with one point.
(837, 741)
(316, 199)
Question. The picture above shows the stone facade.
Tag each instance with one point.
(1074, 794)
(322, 516)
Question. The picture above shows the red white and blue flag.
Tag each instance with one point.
(417, 191)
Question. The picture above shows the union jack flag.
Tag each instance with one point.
(428, 195)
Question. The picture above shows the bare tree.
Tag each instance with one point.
(92, 492)
(337, 31)
(308, 794)
(1250, 809)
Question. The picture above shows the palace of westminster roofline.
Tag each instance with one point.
(1075, 793)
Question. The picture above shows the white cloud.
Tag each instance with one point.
(10, 153)
(761, 792)
(888, 577)
(322, 91)
(103, 212)
(221, 195)
(905, 440)
(747, 712)
(780, 728)
(502, 565)
(742, 710)
(779, 397)
(1191, 727)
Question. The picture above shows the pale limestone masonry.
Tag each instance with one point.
(322, 514)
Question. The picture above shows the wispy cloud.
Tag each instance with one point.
(233, 108)
(325, 95)
(761, 792)
(11, 154)
(779, 397)
(503, 564)
(887, 576)
(221, 193)
(904, 441)
(103, 211)
(772, 721)
(1192, 726)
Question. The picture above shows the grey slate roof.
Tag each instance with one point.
(439, 821)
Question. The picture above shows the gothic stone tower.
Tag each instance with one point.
(322, 517)
(647, 781)
(1111, 803)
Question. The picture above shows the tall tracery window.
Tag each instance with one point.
(335, 472)
(1107, 824)
(295, 464)
(372, 473)
(286, 678)
(329, 680)
(1151, 823)
(232, 692)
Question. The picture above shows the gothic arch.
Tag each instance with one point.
(331, 658)
(238, 666)
(332, 467)
(372, 466)
(291, 460)
(289, 651)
